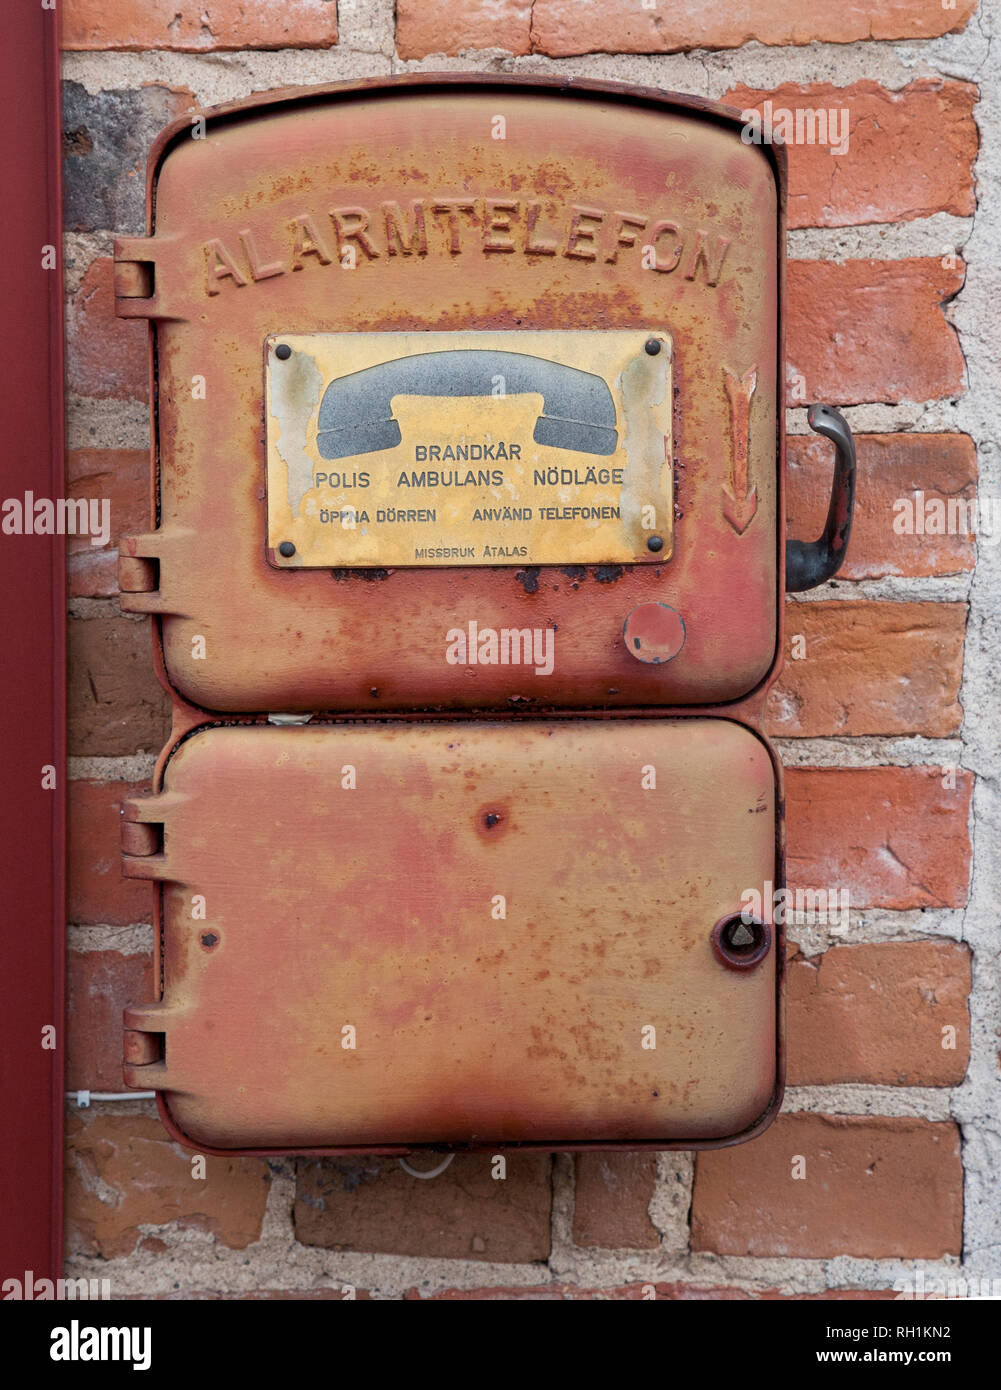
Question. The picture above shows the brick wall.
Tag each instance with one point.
(885, 714)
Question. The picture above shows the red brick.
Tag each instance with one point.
(874, 1188)
(106, 357)
(876, 1014)
(910, 153)
(613, 1194)
(872, 331)
(562, 28)
(96, 889)
(211, 24)
(891, 467)
(100, 985)
(893, 836)
(464, 1213)
(870, 668)
(445, 26)
(116, 703)
(122, 1172)
(122, 478)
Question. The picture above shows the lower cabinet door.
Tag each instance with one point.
(378, 936)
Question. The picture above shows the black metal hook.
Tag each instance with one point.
(809, 563)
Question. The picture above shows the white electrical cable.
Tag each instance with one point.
(83, 1098)
(431, 1172)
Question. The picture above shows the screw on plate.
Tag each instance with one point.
(283, 352)
(653, 346)
(287, 549)
(655, 543)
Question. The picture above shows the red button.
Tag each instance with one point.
(654, 633)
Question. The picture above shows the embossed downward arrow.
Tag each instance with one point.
(740, 501)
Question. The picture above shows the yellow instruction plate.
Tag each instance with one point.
(428, 449)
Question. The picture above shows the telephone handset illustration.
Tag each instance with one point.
(356, 412)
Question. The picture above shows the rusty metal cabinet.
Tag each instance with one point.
(467, 559)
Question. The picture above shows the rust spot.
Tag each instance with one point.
(608, 574)
(529, 580)
(209, 939)
(77, 142)
(368, 576)
(492, 821)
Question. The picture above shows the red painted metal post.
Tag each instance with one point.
(32, 666)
